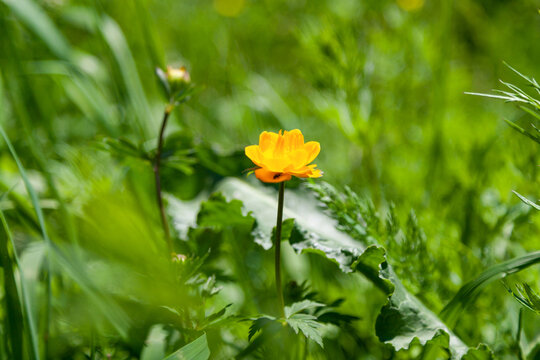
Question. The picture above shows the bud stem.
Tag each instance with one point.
(156, 168)
(278, 247)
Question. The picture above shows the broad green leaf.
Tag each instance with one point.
(481, 352)
(451, 312)
(155, 344)
(195, 350)
(217, 212)
(318, 230)
(403, 318)
(369, 264)
(435, 348)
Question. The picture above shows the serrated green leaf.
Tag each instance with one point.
(370, 263)
(259, 324)
(403, 318)
(308, 325)
(301, 306)
(317, 228)
(268, 326)
(481, 352)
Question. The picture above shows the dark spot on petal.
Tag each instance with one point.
(276, 176)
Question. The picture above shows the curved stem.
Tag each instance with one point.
(156, 168)
(278, 248)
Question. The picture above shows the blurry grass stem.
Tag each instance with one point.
(278, 247)
(176, 84)
(156, 168)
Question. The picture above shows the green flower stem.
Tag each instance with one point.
(278, 248)
(156, 168)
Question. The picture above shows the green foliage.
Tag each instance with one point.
(526, 296)
(16, 312)
(466, 294)
(84, 269)
(195, 350)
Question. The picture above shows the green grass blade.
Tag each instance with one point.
(114, 313)
(15, 312)
(117, 43)
(520, 130)
(33, 16)
(29, 188)
(527, 201)
(530, 112)
(451, 312)
(39, 213)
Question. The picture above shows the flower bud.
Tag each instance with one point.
(177, 77)
(176, 82)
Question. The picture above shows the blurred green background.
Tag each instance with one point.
(380, 84)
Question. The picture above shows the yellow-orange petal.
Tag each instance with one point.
(307, 171)
(253, 152)
(293, 140)
(313, 148)
(271, 177)
(316, 173)
(297, 159)
(267, 140)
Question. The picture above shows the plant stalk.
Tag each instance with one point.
(156, 168)
(278, 248)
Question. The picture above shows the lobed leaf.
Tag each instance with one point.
(308, 325)
(404, 318)
(301, 306)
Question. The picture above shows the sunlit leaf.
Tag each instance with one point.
(308, 325)
(195, 350)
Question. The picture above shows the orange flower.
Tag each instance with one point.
(280, 156)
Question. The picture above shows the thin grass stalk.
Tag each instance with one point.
(33, 350)
(278, 248)
(41, 221)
